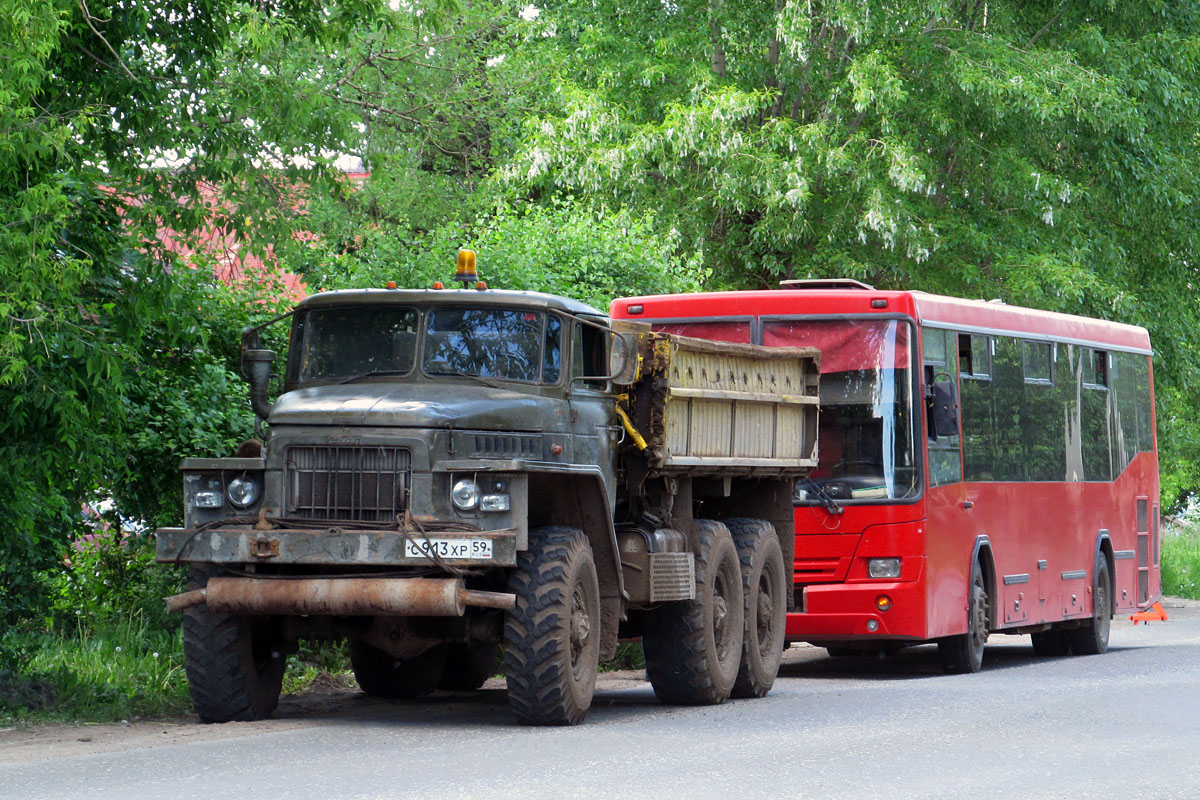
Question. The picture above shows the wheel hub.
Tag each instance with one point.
(581, 624)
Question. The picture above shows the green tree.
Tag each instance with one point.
(1041, 152)
(113, 115)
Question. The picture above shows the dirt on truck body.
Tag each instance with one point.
(449, 471)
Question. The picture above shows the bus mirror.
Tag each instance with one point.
(942, 416)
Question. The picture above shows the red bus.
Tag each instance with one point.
(983, 468)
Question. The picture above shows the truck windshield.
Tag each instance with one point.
(340, 343)
(489, 343)
(867, 443)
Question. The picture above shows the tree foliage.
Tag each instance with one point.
(112, 117)
(1041, 152)
(1038, 152)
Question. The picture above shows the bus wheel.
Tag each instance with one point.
(964, 653)
(552, 637)
(1092, 638)
(764, 586)
(693, 648)
(381, 674)
(234, 663)
(1050, 643)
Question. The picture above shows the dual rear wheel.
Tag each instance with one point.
(728, 641)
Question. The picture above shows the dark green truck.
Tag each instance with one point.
(448, 471)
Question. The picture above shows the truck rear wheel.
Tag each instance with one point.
(234, 664)
(693, 648)
(381, 674)
(552, 637)
(764, 586)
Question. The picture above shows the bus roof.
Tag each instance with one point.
(972, 316)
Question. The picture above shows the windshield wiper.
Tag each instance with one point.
(488, 382)
(831, 505)
(373, 373)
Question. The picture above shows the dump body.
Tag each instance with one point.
(712, 407)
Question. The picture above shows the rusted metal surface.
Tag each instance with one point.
(179, 602)
(420, 597)
(331, 546)
(708, 407)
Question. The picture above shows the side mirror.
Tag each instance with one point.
(256, 368)
(942, 416)
(624, 363)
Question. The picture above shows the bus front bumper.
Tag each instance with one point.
(849, 612)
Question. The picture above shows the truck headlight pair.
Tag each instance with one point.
(468, 494)
(243, 492)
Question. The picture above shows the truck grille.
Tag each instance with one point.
(347, 483)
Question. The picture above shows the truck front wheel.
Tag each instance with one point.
(693, 648)
(552, 637)
(234, 663)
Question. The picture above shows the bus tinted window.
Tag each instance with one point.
(866, 448)
(940, 356)
(718, 331)
(1046, 414)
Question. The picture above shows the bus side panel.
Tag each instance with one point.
(950, 536)
(1043, 538)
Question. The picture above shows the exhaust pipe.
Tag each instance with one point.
(390, 597)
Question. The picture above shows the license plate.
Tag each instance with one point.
(448, 548)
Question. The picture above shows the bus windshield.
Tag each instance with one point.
(867, 443)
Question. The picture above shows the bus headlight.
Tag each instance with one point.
(465, 494)
(244, 491)
(883, 567)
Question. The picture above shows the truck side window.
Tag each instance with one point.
(588, 356)
(552, 359)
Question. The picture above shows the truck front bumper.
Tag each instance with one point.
(336, 546)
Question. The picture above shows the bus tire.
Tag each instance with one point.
(693, 648)
(764, 589)
(234, 663)
(468, 665)
(552, 636)
(1091, 639)
(964, 653)
(381, 674)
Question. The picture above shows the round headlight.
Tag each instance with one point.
(243, 491)
(465, 494)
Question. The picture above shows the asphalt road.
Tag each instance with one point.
(1125, 724)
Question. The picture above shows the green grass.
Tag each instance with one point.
(1181, 561)
(121, 670)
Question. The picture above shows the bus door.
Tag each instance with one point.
(950, 524)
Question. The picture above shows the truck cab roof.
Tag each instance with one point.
(427, 297)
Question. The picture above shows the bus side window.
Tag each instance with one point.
(942, 358)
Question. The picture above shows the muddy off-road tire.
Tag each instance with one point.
(693, 648)
(964, 653)
(552, 637)
(380, 674)
(1092, 638)
(468, 665)
(764, 587)
(234, 664)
